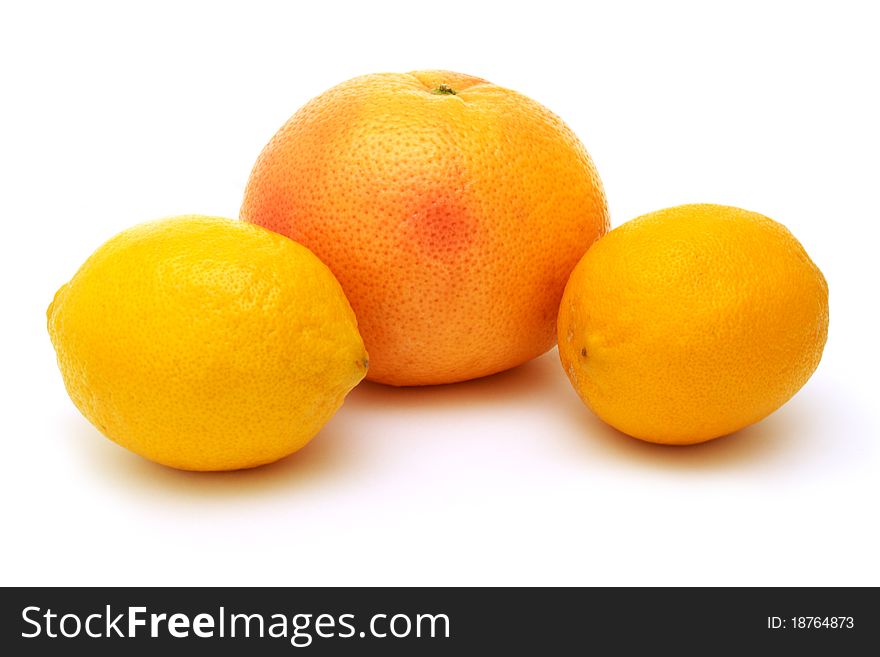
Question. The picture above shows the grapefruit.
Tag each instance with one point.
(451, 210)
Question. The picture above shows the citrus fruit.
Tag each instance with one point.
(692, 322)
(206, 344)
(450, 209)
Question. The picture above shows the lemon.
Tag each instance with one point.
(206, 344)
(692, 322)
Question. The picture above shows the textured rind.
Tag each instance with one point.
(206, 344)
(693, 322)
(451, 221)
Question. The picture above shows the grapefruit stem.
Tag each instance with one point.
(445, 89)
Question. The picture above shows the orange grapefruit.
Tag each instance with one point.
(451, 210)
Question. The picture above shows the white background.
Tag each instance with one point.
(112, 115)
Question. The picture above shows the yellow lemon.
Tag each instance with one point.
(692, 322)
(206, 344)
